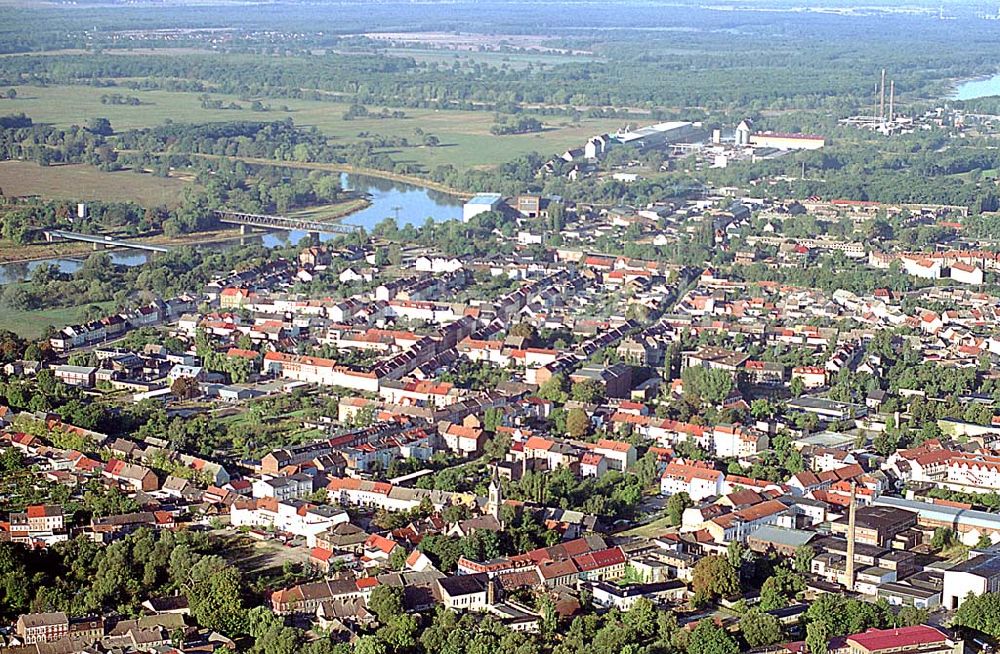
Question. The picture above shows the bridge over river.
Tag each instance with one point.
(99, 241)
(249, 221)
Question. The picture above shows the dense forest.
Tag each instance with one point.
(711, 59)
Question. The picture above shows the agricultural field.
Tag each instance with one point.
(513, 60)
(83, 182)
(465, 139)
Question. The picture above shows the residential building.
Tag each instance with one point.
(697, 481)
(810, 376)
(41, 627)
(465, 592)
(283, 488)
(76, 375)
(920, 639)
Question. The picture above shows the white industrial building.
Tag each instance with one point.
(480, 203)
(978, 575)
(655, 135)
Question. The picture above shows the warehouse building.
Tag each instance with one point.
(481, 203)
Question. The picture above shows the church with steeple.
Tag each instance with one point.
(495, 498)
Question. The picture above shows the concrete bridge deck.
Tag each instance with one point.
(106, 241)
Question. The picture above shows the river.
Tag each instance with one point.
(977, 88)
(389, 199)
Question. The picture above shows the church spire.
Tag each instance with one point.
(495, 498)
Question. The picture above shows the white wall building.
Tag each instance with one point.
(481, 203)
(978, 575)
(284, 487)
(697, 482)
(295, 517)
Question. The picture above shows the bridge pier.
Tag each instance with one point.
(244, 230)
(314, 238)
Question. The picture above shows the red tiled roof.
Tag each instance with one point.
(366, 582)
(883, 639)
(320, 554)
(380, 543)
(599, 559)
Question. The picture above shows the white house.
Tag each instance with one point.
(283, 488)
(465, 592)
(437, 264)
(963, 273)
(924, 268)
(697, 481)
(735, 441)
(295, 517)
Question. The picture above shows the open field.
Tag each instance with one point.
(512, 60)
(465, 135)
(83, 182)
(118, 51)
(472, 41)
(32, 324)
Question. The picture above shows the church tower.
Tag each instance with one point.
(495, 498)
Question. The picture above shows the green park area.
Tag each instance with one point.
(464, 138)
(32, 323)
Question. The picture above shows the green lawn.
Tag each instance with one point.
(651, 530)
(465, 135)
(32, 324)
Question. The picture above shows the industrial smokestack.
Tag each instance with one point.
(875, 108)
(851, 533)
(881, 102)
(892, 100)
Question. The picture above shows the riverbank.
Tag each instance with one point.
(76, 249)
(10, 253)
(412, 180)
(983, 86)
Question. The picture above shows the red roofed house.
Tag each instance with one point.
(139, 478)
(233, 298)
(811, 376)
(44, 517)
(698, 482)
(601, 565)
(418, 561)
(599, 263)
(963, 273)
(620, 455)
(919, 638)
(593, 464)
(463, 441)
(321, 558)
(379, 548)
